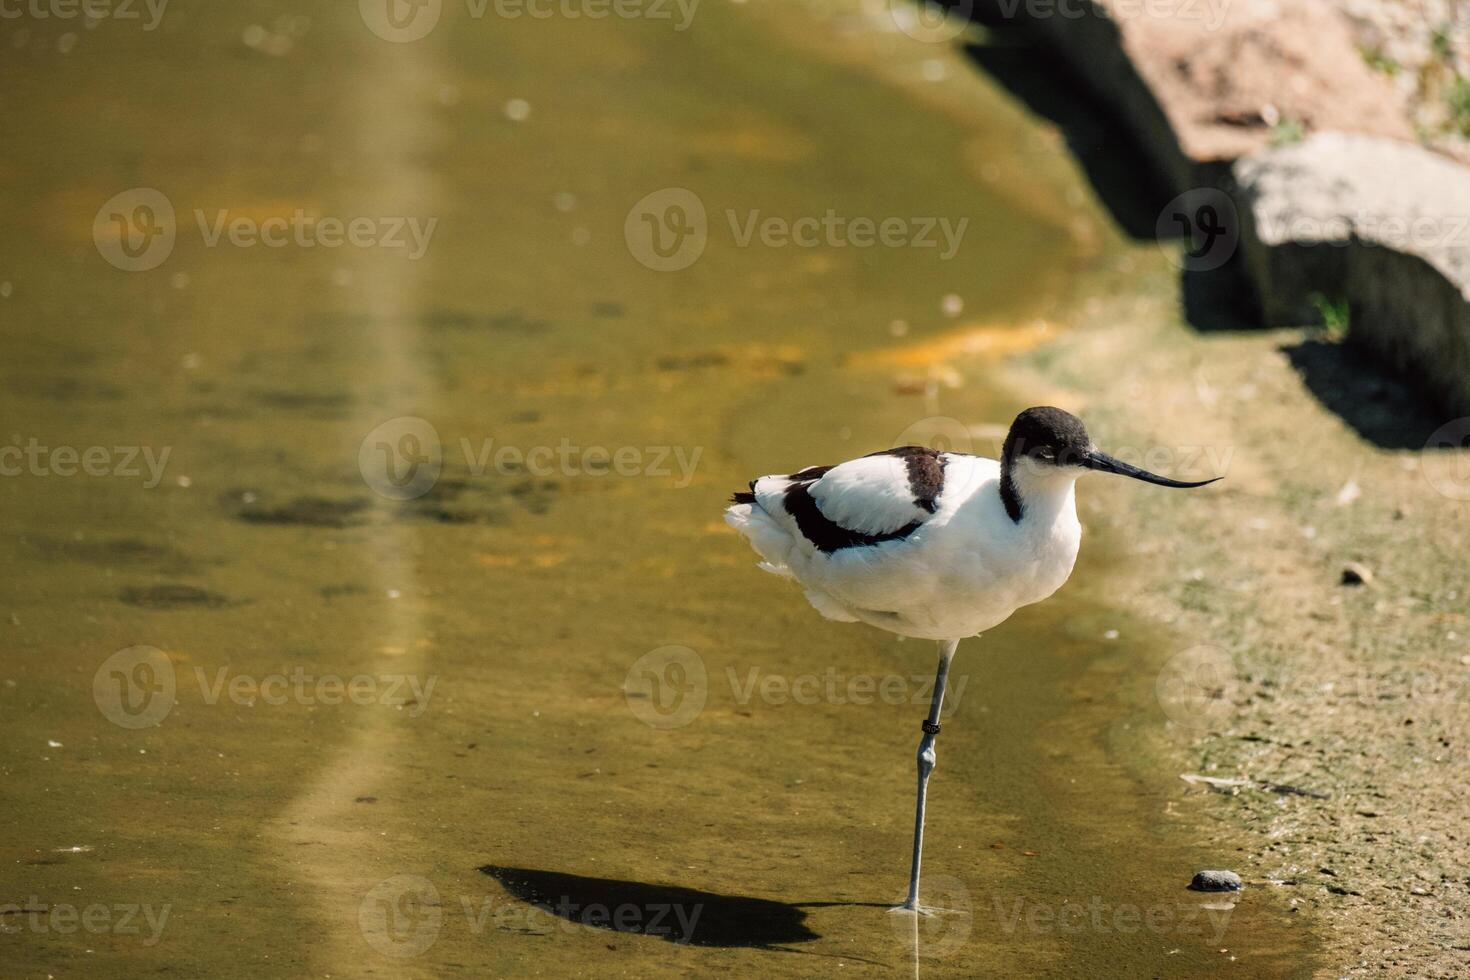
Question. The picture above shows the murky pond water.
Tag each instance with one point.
(268, 708)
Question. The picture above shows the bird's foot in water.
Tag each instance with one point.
(925, 911)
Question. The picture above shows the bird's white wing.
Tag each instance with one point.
(870, 495)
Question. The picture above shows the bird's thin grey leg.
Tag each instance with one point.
(926, 766)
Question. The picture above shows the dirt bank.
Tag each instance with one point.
(1355, 694)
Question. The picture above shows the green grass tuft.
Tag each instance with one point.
(1336, 316)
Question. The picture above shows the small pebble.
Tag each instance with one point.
(1215, 881)
(1356, 573)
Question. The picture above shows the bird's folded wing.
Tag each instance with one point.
(871, 495)
(864, 501)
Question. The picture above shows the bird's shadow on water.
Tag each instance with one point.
(673, 913)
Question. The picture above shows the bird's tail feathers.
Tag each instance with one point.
(770, 540)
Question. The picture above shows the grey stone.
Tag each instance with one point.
(1379, 224)
(1215, 881)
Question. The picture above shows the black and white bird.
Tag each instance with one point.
(929, 544)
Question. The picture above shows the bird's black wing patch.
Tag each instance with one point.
(926, 473)
(811, 474)
(827, 535)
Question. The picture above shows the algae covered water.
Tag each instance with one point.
(374, 399)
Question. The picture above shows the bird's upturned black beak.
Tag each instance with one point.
(1095, 459)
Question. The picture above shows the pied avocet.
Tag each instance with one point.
(929, 544)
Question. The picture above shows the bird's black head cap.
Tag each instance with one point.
(1046, 436)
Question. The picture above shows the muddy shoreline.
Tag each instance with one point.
(1334, 736)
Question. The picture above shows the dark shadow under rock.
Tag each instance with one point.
(1380, 407)
(1126, 181)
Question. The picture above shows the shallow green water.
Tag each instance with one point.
(512, 605)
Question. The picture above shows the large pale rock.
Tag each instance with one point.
(1380, 224)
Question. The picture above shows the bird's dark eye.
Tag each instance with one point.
(1046, 453)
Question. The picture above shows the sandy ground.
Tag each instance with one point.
(1353, 693)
